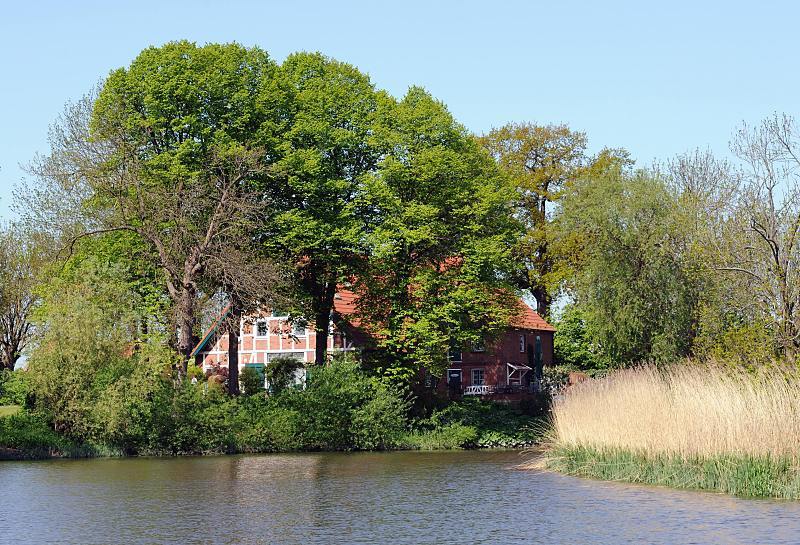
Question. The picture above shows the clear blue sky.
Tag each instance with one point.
(657, 80)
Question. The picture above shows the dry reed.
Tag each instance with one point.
(686, 411)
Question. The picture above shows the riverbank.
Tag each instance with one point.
(737, 475)
(688, 426)
(465, 425)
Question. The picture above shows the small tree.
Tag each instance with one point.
(280, 373)
(251, 381)
(23, 255)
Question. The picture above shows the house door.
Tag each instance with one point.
(454, 380)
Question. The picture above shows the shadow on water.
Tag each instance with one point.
(400, 497)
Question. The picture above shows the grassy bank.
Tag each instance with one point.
(690, 426)
(473, 423)
(263, 426)
(342, 409)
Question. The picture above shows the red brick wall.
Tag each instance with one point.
(505, 350)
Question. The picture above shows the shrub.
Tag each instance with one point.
(14, 387)
(280, 373)
(451, 436)
(338, 400)
(380, 422)
(27, 436)
(472, 423)
(251, 381)
(266, 427)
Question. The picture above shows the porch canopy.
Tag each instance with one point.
(516, 371)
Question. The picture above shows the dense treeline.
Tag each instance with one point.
(199, 177)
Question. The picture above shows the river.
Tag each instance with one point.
(401, 497)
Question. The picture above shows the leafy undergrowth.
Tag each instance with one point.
(24, 436)
(475, 424)
(740, 475)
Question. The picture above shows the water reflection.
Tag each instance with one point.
(413, 497)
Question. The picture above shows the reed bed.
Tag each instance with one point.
(691, 426)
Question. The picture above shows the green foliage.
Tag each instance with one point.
(318, 222)
(572, 343)
(739, 475)
(441, 247)
(636, 283)
(343, 408)
(475, 424)
(539, 161)
(280, 373)
(14, 387)
(448, 437)
(23, 435)
(86, 322)
(187, 107)
(8, 410)
(251, 381)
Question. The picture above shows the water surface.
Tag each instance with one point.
(404, 498)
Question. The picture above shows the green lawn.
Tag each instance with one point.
(8, 410)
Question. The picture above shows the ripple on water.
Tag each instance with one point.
(403, 498)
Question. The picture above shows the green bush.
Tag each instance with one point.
(23, 435)
(251, 382)
(450, 436)
(280, 373)
(473, 423)
(380, 422)
(338, 402)
(14, 387)
(263, 426)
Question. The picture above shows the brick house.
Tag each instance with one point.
(508, 367)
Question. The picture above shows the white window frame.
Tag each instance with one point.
(299, 332)
(472, 376)
(460, 371)
(522, 343)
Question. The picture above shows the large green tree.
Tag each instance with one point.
(636, 280)
(169, 149)
(441, 248)
(540, 160)
(315, 224)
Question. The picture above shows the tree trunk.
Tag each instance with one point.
(543, 301)
(322, 321)
(233, 352)
(8, 359)
(185, 322)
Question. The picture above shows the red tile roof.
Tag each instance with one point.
(530, 319)
(345, 304)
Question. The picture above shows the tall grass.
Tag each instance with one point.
(696, 426)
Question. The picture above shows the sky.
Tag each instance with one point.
(656, 80)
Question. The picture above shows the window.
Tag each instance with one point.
(299, 328)
(454, 378)
(477, 377)
(454, 354)
(522, 343)
(479, 346)
(261, 328)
